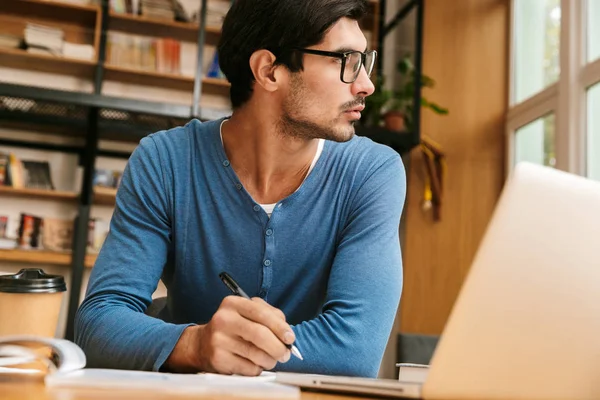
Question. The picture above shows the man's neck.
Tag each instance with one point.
(270, 165)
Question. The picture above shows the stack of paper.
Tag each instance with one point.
(263, 386)
(41, 38)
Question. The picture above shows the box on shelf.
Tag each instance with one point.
(57, 234)
(107, 178)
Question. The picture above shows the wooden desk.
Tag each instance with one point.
(28, 389)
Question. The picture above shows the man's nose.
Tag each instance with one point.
(363, 86)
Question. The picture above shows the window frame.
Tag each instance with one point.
(566, 98)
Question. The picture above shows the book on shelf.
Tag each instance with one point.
(29, 234)
(14, 174)
(158, 9)
(21, 174)
(41, 37)
(121, 6)
(51, 234)
(215, 12)
(4, 161)
(47, 40)
(145, 53)
(78, 51)
(6, 242)
(214, 70)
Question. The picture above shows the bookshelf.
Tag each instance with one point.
(43, 257)
(80, 24)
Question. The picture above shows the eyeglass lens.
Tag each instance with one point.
(354, 64)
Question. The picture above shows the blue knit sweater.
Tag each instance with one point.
(329, 256)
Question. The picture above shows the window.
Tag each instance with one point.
(593, 31)
(537, 45)
(535, 142)
(593, 132)
(554, 110)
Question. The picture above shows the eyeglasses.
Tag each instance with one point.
(352, 61)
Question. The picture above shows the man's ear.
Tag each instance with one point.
(266, 73)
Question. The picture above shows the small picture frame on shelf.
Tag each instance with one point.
(57, 234)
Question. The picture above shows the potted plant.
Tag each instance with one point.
(394, 108)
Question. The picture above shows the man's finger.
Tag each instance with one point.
(276, 310)
(252, 353)
(262, 314)
(259, 335)
(229, 363)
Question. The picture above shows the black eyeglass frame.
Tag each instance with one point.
(342, 56)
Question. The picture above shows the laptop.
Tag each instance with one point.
(526, 323)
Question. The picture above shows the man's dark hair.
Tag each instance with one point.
(277, 26)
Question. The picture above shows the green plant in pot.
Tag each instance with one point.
(394, 108)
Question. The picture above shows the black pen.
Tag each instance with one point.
(237, 290)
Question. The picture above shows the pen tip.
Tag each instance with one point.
(297, 353)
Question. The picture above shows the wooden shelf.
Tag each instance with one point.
(105, 196)
(148, 78)
(153, 78)
(216, 82)
(17, 58)
(38, 193)
(139, 25)
(216, 30)
(102, 196)
(57, 5)
(43, 257)
(78, 14)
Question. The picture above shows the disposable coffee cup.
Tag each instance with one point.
(30, 302)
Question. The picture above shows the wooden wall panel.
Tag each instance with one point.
(466, 52)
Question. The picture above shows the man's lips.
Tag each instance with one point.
(356, 109)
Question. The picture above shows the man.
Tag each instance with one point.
(282, 196)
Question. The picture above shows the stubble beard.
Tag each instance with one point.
(292, 124)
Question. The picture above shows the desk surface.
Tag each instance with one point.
(35, 390)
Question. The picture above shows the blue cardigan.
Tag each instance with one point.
(329, 256)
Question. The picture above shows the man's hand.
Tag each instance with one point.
(243, 337)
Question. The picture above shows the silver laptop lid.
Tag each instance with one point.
(526, 323)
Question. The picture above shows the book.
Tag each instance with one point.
(26, 354)
(410, 372)
(62, 364)
(37, 175)
(4, 160)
